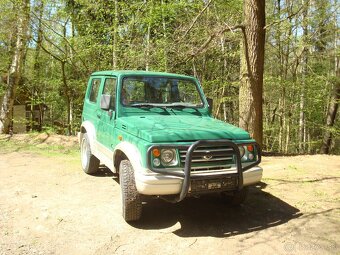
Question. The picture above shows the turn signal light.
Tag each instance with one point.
(156, 152)
(250, 148)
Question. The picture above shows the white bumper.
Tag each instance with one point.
(158, 184)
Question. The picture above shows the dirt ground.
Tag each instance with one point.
(49, 206)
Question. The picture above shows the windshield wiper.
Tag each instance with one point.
(182, 105)
(165, 106)
(148, 105)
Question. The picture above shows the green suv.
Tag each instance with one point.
(156, 131)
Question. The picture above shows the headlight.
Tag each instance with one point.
(156, 162)
(242, 150)
(247, 152)
(168, 157)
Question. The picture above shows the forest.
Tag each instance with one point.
(276, 61)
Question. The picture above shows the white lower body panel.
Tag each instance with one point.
(158, 184)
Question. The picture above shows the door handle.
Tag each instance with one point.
(99, 114)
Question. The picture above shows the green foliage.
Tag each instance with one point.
(299, 69)
(164, 35)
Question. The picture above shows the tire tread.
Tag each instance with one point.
(131, 199)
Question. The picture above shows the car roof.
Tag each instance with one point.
(139, 72)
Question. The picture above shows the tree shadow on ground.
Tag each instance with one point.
(210, 215)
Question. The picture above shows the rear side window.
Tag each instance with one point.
(110, 89)
(94, 90)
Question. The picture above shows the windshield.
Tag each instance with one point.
(144, 91)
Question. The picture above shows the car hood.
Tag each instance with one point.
(173, 128)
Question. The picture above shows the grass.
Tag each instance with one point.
(33, 144)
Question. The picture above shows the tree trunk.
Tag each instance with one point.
(115, 39)
(147, 53)
(252, 65)
(37, 66)
(331, 114)
(285, 93)
(15, 67)
(281, 101)
(68, 98)
(165, 46)
(335, 98)
(332, 111)
(302, 128)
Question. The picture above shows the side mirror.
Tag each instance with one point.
(105, 102)
(210, 103)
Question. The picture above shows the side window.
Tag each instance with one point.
(94, 90)
(110, 89)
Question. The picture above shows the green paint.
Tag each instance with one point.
(161, 123)
(177, 128)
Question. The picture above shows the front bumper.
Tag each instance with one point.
(159, 184)
(167, 181)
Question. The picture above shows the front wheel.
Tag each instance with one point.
(89, 162)
(131, 199)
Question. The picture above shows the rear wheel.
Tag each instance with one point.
(237, 197)
(131, 199)
(89, 162)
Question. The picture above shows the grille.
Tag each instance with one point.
(209, 158)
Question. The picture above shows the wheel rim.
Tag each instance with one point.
(84, 150)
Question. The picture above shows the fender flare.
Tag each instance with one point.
(90, 130)
(131, 152)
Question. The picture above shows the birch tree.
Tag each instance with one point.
(22, 9)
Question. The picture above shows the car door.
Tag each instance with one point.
(106, 126)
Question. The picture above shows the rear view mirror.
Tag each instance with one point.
(210, 103)
(105, 102)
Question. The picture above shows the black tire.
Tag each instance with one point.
(131, 199)
(237, 197)
(89, 162)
